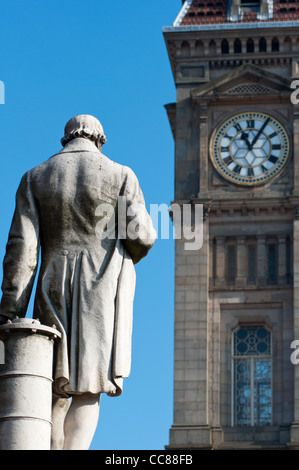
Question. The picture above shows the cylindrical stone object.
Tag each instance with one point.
(26, 385)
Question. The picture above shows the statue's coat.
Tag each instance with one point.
(86, 284)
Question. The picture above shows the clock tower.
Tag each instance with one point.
(236, 132)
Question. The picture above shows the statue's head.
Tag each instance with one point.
(86, 127)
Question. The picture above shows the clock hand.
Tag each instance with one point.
(259, 133)
(245, 137)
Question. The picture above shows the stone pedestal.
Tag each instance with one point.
(26, 385)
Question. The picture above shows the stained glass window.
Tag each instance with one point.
(252, 396)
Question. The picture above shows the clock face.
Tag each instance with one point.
(250, 148)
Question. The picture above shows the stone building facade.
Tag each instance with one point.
(236, 135)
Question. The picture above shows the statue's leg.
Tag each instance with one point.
(60, 407)
(81, 421)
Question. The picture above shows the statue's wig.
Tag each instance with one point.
(86, 127)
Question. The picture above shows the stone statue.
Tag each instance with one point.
(68, 208)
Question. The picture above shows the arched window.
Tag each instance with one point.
(199, 48)
(185, 49)
(252, 372)
(224, 46)
(287, 45)
(250, 45)
(275, 45)
(237, 46)
(263, 45)
(212, 47)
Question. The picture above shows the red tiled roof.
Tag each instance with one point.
(215, 12)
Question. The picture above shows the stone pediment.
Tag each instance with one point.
(247, 80)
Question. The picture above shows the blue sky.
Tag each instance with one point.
(60, 58)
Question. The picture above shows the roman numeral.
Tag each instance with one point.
(228, 136)
(237, 127)
(250, 123)
(225, 149)
(264, 169)
(276, 147)
(273, 159)
(250, 171)
(237, 169)
(274, 134)
(227, 160)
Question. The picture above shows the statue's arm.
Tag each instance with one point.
(22, 252)
(140, 233)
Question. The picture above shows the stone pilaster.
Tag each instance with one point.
(296, 305)
(296, 149)
(241, 261)
(191, 347)
(262, 260)
(295, 426)
(203, 148)
(282, 259)
(220, 261)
